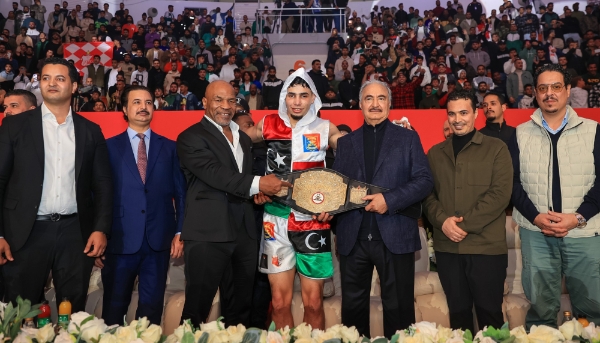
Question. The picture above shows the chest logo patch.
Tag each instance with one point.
(311, 142)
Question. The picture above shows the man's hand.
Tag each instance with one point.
(5, 254)
(544, 220)
(323, 217)
(95, 245)
(377, 203)
(511, 100)
(176, 247)
(261, 199)
(567, 222)
(452, 231)
(98, 262)
(271, 185)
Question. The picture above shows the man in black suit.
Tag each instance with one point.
(219, 232)
(55, 193)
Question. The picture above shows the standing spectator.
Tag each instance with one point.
(403, 93)
(288, 19)
(140, 246)
(188, 101)
(430, 100)
(528, 55)
(494, 105)
(477, 56)
(55, 20)
(589, 21)
(515, 82)
(271, 90)
(482, 78)
(320, 80)
(379, 236)
(570, 27)
(348, 91)
(475, 9)
(579, 96)
(96, 72)
(40, 11)
(140, 75)
(470, 235)
(255, 100)
(556, 206)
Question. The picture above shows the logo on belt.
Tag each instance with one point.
(312, 142)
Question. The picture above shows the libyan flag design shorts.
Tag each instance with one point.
(292, 239)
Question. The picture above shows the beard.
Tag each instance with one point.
(295, 117)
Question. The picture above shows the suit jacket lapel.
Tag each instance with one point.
(80, 135)
(156, 143)
(220, 137)
(128, 156)
(387, 142)
(247, 158)
(358, 145)
(448, 149)
(37, 133)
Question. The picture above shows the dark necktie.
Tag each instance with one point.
(142, 160)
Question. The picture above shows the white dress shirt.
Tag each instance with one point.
(58, 190)
(237, 150)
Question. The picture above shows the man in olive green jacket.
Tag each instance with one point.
(473, 182)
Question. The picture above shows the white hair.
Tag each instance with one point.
(375, 82)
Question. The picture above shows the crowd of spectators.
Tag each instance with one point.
(425, 56)
(176, 55)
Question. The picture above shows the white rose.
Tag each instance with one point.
(454, 340)
(274, 337)
(140, 325)
(335, 331)
(137, 340)
(590, 332)
(417, 338)
(152, 334)
(108, 338)
(93, 329)
(76, 319)
(218, 337)
(236, 333)
(45, 334)
(285, 334)
(321, 336)
(173, 339)
(23, 338)
(185, 327)
(570, 329)
(520, 335)
(443, 334)
(350, 334)
(212, 326)
(303, 331)
(263, 336)
(544, 334)
(64, 337)
(125, 334)
(427, 329)
(303, 340)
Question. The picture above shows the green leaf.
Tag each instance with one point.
(272, 326)
(380, 340)
(219, 323)
(188, 337)
(394, 338)
(252, 335)
(337, 340)
(468, 335)
(365, 340)
(505, 326)
(91, 317)
(203, 338)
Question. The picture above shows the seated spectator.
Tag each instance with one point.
(515, 83)
(255, 100)
(7, 74)
(579, 96)
(89, 105)
(482, 90)
(99, 106)
(430, 100)
(527, 99)
(33, 33)
(331, 101)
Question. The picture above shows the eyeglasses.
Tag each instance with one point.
(556, 87)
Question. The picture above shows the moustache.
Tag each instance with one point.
(143, 111)
(546, 98)
(459, 123)
(375, 109)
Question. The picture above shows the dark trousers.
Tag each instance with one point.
(396, 275)
(207, 264)
(473, 280)
(55, 247)
(118, 277)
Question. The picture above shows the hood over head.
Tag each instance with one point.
(311, 115)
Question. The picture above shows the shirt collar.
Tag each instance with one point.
(132, 134)
(562, 125)
(46, 113)
(232, 125)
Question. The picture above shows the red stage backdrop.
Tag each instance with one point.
(428, 123)
(83, 53)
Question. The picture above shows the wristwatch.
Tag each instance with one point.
(581, 222)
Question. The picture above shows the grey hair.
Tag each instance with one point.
(375, 82)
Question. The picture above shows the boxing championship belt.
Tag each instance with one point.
(319, 190)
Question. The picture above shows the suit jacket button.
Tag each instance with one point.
(35, 207)
(143, 211)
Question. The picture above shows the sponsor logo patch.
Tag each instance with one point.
(269, 231)
(312, 142)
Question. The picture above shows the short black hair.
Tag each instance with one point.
(500, 96)
(555, 68)
(462, 95)
(73, 73)
(28, 97)
(125, 96)
(237, 115)
(298, 81)
(315, 61)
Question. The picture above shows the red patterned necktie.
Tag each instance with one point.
(142, 161)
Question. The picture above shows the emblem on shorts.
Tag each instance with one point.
(318, 198)
(312, 142)
(269, 231)
(357, 193)
(275, 261)
(263, 262)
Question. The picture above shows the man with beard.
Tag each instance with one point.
(155, 53)
(216, 160)
(199, 84)
(403, 93)
(55, 45)
(114, 98)
(494, 105)
(255, 100)
(190, 72)
(482, 89)
(127, 68)
(348, 91)
(96, 72)
(156, 76)
(55, 20)
(556, 161)
(271, 90)
(287, 253)
(470, 237)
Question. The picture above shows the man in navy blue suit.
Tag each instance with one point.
(389, 156)
(149, 193)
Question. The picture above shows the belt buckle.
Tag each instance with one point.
(55, 217)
